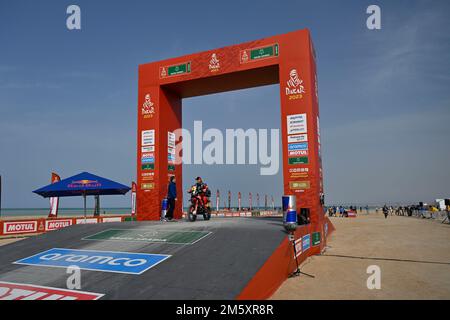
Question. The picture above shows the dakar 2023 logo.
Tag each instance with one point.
(148, 109)
(294, 88)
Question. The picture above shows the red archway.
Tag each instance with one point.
(287, 59)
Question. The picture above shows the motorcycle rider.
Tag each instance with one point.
(202, 190)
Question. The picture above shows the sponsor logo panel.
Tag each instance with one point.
(148, 149)
(175, 70)
(87, 221)
(315, 238)
(298, 160)
(148, 160)
(297, 124)
(147, 186)
(20, 227)
(51, 225)
(171, 139)
(299, 172)
(298, 153)
(260, 53)
(299, 185)
(306, 242)
(148, 176)
(298, 138)
(298, 246)
(298, 146)
(148, 166)
(112, 219)
(148, 137)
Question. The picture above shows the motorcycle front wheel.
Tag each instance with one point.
(192, 217)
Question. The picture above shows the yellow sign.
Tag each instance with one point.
(299, 185)
(147, 186)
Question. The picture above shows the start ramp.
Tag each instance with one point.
(224, 258)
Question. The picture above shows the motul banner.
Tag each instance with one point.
(133, 198)
(54, 202)
(16, 227)
(20, 227)
(18, 291)
(51, 225)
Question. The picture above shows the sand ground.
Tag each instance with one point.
(413, 255)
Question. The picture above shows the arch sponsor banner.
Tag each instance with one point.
(93, 260)
(296, 124)
(18, 291)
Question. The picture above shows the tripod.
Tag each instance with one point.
(297, 272)
(447, 218)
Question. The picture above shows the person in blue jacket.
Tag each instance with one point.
(171, 198)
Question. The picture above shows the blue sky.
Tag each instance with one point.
(68, 98)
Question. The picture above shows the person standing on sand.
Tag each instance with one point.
(385, 211)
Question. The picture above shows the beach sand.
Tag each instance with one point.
(340, 273)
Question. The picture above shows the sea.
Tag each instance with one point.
(62, 212)
(17, 213)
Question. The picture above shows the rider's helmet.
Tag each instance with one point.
(199, 180)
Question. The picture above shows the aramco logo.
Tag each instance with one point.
(295, 88)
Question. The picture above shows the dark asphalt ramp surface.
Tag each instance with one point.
(218, 266)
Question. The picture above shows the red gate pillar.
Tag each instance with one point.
(159, 116)
(300, 124)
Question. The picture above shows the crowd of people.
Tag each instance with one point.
(341, 211)
(420, 211)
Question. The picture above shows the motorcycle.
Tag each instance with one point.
(199, 205)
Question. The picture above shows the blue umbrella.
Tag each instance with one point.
(83, 184)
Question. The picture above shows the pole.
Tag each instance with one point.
(239, 201)
(217, 200)
(0, 196)
(84, 197)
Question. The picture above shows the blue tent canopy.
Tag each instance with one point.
(83, 184)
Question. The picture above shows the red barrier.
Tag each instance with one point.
(41, 225)
(282, 262)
